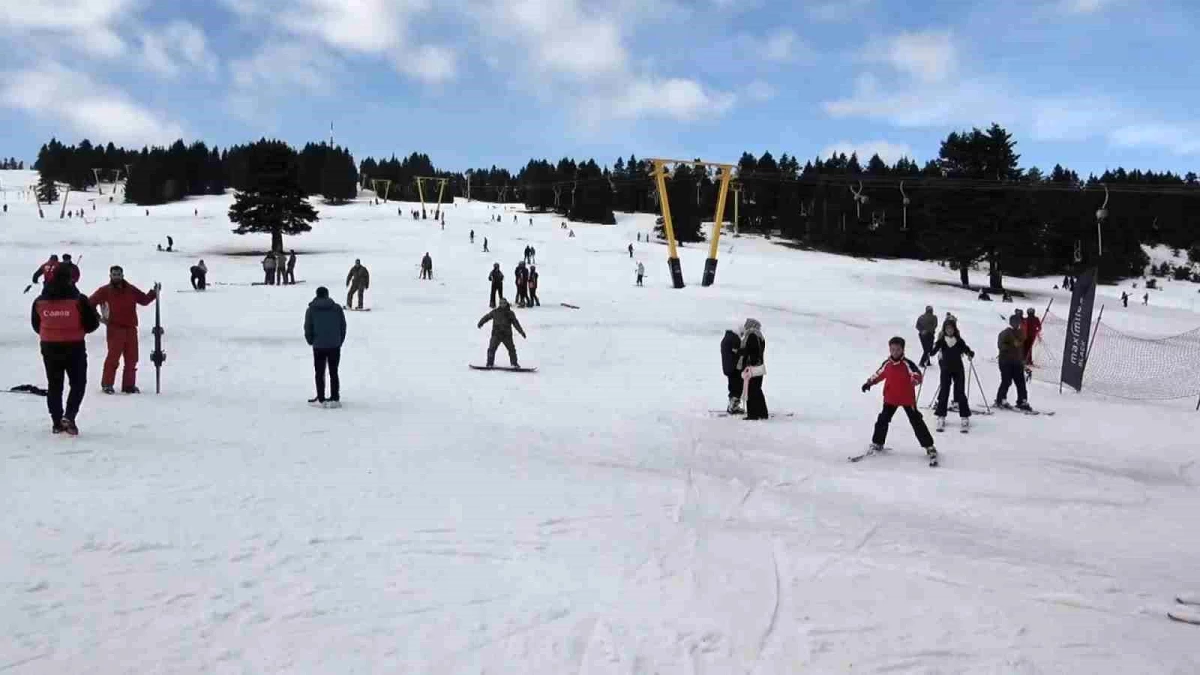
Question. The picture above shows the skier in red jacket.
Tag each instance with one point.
(900, 378)
(1031, 326)
(122, 299)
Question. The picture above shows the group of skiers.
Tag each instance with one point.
(526, 280)
(62, 317)
(279, 269)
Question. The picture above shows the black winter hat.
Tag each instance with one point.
(322, 292)
(896, 341)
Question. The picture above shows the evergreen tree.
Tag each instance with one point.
(685, 214)
(339, 178)
(273, 200)
(47, 191)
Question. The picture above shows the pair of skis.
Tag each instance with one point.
(932, 455)
(1187, 610)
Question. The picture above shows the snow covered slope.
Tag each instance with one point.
(590, 518)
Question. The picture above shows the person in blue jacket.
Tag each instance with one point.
(325, 331)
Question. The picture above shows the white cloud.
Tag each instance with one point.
(278, 68)
(760, 91)
(432, 65)
(363, 26)
(94, 110)
(831, 11)
(929, 56)
(169, 50)
(88, 25)
(1172, 138)
(887, 151)
(676, 98)
(781, 46)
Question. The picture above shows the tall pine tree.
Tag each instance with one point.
(273, 200)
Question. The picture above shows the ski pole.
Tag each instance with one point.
(980, 386)
(922, 383)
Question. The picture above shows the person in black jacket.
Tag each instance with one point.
(731, 347)
(753, 369)
(62, 317)
(952, 348)
(497, 279)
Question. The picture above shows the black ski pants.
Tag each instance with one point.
(496, 341)
(289, 277)
(269, 277)
(735, 384)
(522, 295)
(65, 361)
(533, 298)
(198, 280)
(331, 358)
(1012, 372)
(956, 378)
(914, 418)
(497, 290)
(355, 288)
(756, 403)
(926, 347)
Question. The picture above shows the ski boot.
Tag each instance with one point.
(130, 390)
(941, 424)
(1001, 404)
(932, 453)
(735, 406)
(108, 389)
(57, 427)
(966, 424)
(1024, 406)
(69, 427)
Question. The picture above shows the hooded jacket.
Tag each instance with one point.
(731, 348)
(63, 315)
(1011, 346)
(503, 321)
(753, 346)
(324, 324)
(358, 277)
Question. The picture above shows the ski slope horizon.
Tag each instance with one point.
(593, 517)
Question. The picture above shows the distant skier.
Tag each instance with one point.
(426, 267)
(268, 264)
(62, 317)
(731, 347)
(1146, 299)
(532, 255)
(497, 279)
(503, 321)
(952, 347)
(472, 236)
(121, 299)
(521, 279)
(45, 273)
(199, 276)
(170, 243)
(927, 325)
(325, 332)
(485, 246)
(641, 272)
(1007, 297)
(289, 276)
(1124, 298)
(533, 284)
(900, 378)
(753, 367)
(359, 280)
(631, 251)
(1012, 365)
(1031, 327)
(983, 295)
(280, 268)
(571, 235)
(639, 237)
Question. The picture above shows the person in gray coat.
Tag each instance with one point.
(927, 325)
(503, 321)
(325, 331)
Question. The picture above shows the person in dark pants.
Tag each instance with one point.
(521, 277)
(199, 276)
(731, 348)
(62, 317)
(752, 367)
(358, 280)
(1012, 364)
(952, 348)
(927, 325)
(268, 265)
(289, 276)
(497, 279)
(325, 331)
(900, 378)
(426, 267)
(533, 283)
(503, 321)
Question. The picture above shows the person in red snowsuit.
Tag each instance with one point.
(900, 378)
(122, 299)
(1031, 327)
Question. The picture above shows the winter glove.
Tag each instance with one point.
(970, 356)
(866, 387)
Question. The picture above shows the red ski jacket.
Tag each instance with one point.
(1031, 326)
(122, 303)
(900, 380)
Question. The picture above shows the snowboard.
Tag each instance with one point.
(508, 368)
(723, 413)
(351, 309)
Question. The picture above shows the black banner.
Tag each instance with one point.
(1079, 330)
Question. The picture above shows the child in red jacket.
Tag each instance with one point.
(900, 378)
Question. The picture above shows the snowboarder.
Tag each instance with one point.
(533, 283)
(62, 317)
(521, 279)
(927, 325)
(289, 276)
(1012, 365)
(359, 280)
(952, 347)
(268, 264)
(325, 332)
(426, 267)
(731, 347)
(503, 321)
(631, 251)
(753, 368)
(497, 279)
(199, 274)
(121, 299)
(641, 272)
(900, 378)
(1031, 327)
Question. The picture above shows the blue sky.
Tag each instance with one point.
(1089, 83)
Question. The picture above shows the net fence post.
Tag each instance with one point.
(1092, 343)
